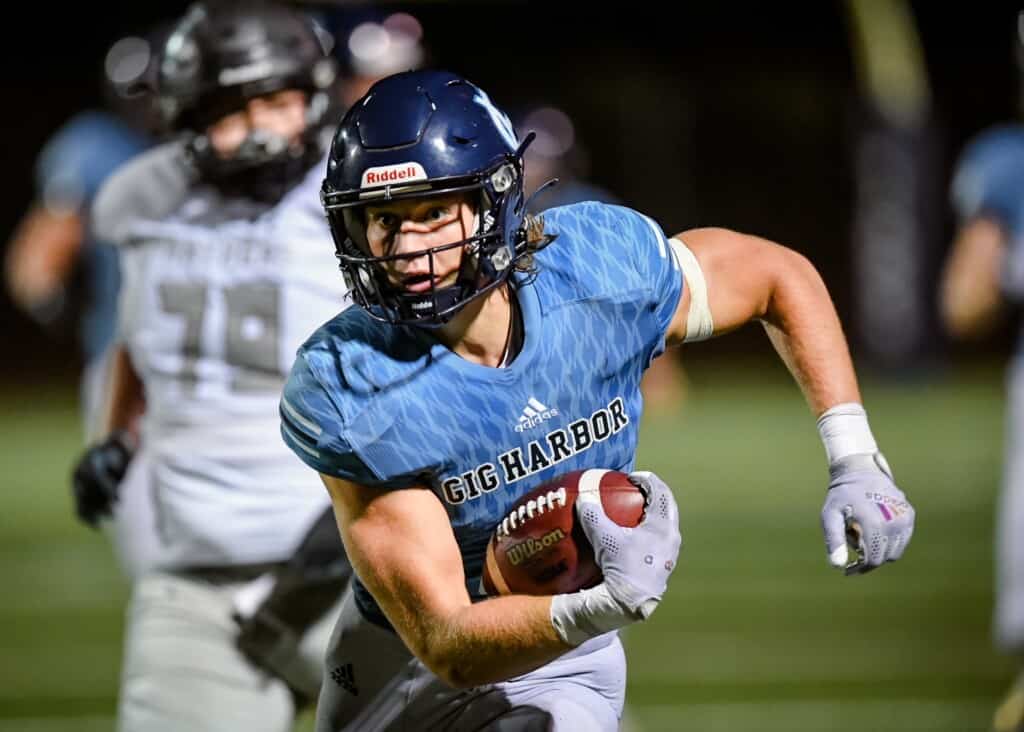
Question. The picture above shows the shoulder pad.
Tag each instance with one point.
(151, 186)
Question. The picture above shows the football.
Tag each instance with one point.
(539, 548)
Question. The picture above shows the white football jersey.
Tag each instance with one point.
(215, 300)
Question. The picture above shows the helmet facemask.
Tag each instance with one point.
(489, 254)
(264, 166)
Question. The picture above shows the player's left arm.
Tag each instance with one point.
(749, 278)
(739, 278)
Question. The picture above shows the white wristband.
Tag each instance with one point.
(580, 616)
(844, 430)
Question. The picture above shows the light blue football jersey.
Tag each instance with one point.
(989, 180)
(390, 406)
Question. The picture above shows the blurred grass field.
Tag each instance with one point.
(757, 633)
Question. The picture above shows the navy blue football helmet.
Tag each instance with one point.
(413, 135)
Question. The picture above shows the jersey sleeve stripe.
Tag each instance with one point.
(658, 236)
(295, 416)
(298, 440)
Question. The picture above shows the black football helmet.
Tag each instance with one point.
(221, 55)
(418, 134)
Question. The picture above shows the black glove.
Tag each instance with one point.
(98, 475)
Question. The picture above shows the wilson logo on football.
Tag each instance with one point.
(519, 553)
(393, 174)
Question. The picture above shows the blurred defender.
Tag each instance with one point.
(226, 267)
(56, 270)
(983, 280)
(419, 410)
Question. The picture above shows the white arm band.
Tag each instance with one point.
(699, 324)
(844, 430)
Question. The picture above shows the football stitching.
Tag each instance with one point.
(534, 507)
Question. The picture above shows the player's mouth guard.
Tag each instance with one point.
(699, 323)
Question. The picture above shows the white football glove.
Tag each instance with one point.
(635, 562)
(864, 506)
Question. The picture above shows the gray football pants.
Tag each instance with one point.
(182, 670)
(372, 683)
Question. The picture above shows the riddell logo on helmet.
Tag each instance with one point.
(393, 174)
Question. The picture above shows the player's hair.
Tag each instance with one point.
(535, 240)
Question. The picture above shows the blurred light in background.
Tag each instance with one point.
(555, 132)
(379, 49)
(127, 61)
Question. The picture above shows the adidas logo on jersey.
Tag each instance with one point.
(534, 413)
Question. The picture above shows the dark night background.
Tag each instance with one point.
(750, 116)
(738, 115)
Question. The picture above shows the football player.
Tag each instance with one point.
(226, 263)
(411, 408)
(982, 281)
(52, 253)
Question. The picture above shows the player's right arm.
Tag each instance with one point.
(102, 466)
(126, 396)
(402, 548)
(401, 545)
(97, 475)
